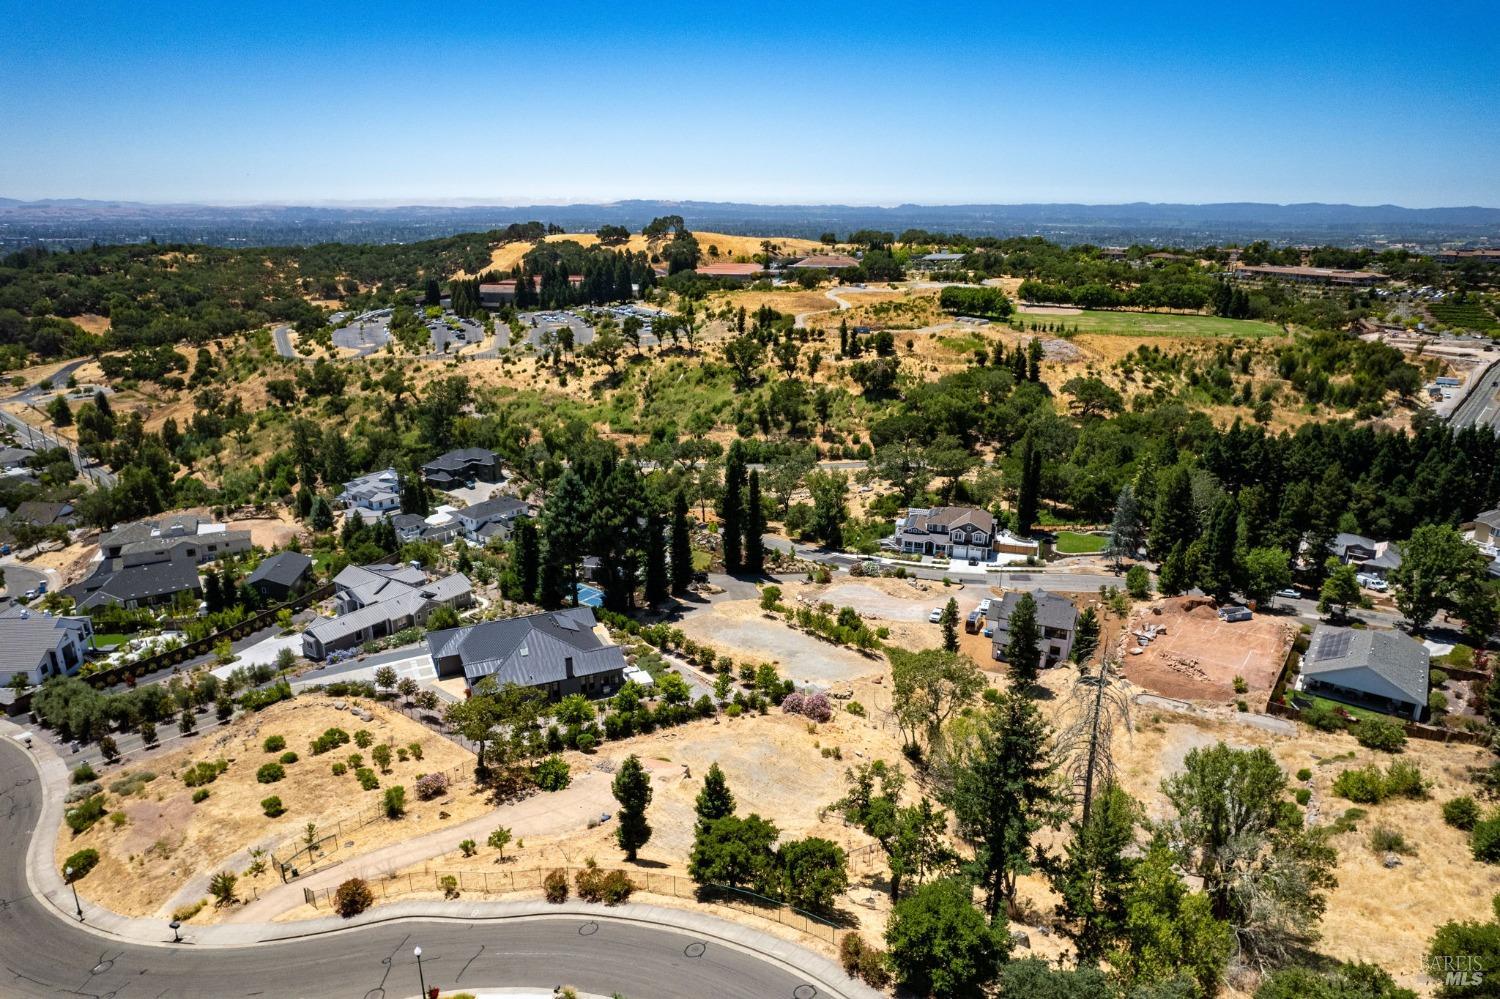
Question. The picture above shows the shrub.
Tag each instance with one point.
(1365, 785)
(1303, 796)
(851, 949)
(1461, 813)
(382, 756)
(367, 778)
(431, 786)
(1384, 839)
(200, 795)
(81, 863)
(873, 968)
(331, 739)
(1484, 841)
(552, 774)
(855, 708)
(288, 757)
(415, 748)
(1304, 774)
(270, 773)
(272, 806)
(339, 769)
(222, 887)
(395, 802)
(555, 885)
(355, 760)
(352, 897)
(82, 791)
(83, 773)
(469, 847)
(1437, 702)
(1437, 678)
(118, 819)
(1349, 821)
(1322, 717)
(586, 742)
(590, 881)
(1404, 780)
(132, 783)
(363, 738)
(1241, 686)
(1378, 733)
(204, 772)
(449, 884)
(616, 887)
(187, 912)
(274, 743)
(85, 813)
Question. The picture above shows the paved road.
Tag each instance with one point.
(1481, 405)
(44, 952)
(283, 337)
(34, 438)
(1042, 579)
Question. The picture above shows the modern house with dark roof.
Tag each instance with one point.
(38, 513)
(961, 532)
(373, 601)
(141, 585)
(40, 646)
(280, 577)
(187, 537)
(560, 652)
(1056, 620)
(1381, 670)
(463, 467)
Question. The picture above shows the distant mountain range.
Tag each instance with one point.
(75, 222)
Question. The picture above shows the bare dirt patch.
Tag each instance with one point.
(1199, 655)
(741, 630)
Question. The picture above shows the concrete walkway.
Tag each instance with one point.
(46, 884)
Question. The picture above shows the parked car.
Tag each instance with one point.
(1370, 582)
(1288, 594)
(936, 615)
(984, 606)
(989, 629)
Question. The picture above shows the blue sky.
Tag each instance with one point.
(866, 103)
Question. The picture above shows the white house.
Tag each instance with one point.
(373, 495)
(40, 646)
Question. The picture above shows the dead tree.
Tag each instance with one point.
(1095, 705)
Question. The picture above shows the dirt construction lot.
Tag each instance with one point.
(1199, 656)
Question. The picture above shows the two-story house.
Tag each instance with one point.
(463, 467)
(493, 517)
(372, 496)
(1056, 620)
(373, 601)
(39, 646)
(958, 532)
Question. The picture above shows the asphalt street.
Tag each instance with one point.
(1481, 406)
(45, 952)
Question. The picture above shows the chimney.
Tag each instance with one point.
(568, 667)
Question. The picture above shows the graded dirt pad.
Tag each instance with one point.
(1200, 655)
(166, 849)
(741, 630)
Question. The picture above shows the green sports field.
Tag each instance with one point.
(1152, 324)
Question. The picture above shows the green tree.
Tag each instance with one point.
(1023, 652)
(737, 852)
(632, 789)
(1233, 827)
(731, 510)
(526, 556)
(1347, 981)
(1438, 570)
(1340, 589)
(928, 688)
(715, 800)
(1096, 874)
(1470, 946)
(814, 873)
(755, 527)
(1125, 528)
(1170, 932)
(658, 577)
(499, 839)
(1028, 491)
(1266, 572)
(940, 945)
(1217, 572)
(1085, 636)
(950, 625)
(223, 887)
(829, 492)
(1175, 521)
(682, 550)
(1002, 787)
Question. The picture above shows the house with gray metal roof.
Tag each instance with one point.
(1381, 670)
(40, 646)
(1056, 621)
(141, 585)
(561, 652)
(372, 495)
(373, 601)
(1378, 558)
(496, 516)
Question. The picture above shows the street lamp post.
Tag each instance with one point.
(68, 873)
(176, 925)
(420, 977)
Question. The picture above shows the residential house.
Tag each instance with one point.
(938, 261)
(15, 457)
(372, 496)
(1381, 670)
(1486, 530)
(959, 532)
(373, 601)
(1307, 275)
(492, 518)
(141, 585)
(731, 272)
(1377, 558)
(38, 513)
(280, 577)
(39, 646)
(155, 561)
(560, 652)
(440, 526)
(463, 467)
(1056, 620)
(825, 262)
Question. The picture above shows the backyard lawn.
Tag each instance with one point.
(1152, 324)
(1073, 543)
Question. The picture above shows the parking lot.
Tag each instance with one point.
(365, 334)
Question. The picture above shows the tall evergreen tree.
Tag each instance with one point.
(1218, 568)
(1023, 653)
(682, 547)
(1175, 521)
(632, 789)
(1125, 529)
(658, 580)
(527, 556)
(755, 527)
(1002, 789)
(1030, 485)
(950, 625)
(553, 576)
(715, 800)
(566, 524)
(1095, 875)
(731, 509)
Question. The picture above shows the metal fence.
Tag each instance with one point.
(304, 857)
(671, 885)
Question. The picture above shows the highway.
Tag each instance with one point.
(1481, 406)
(44, 951)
